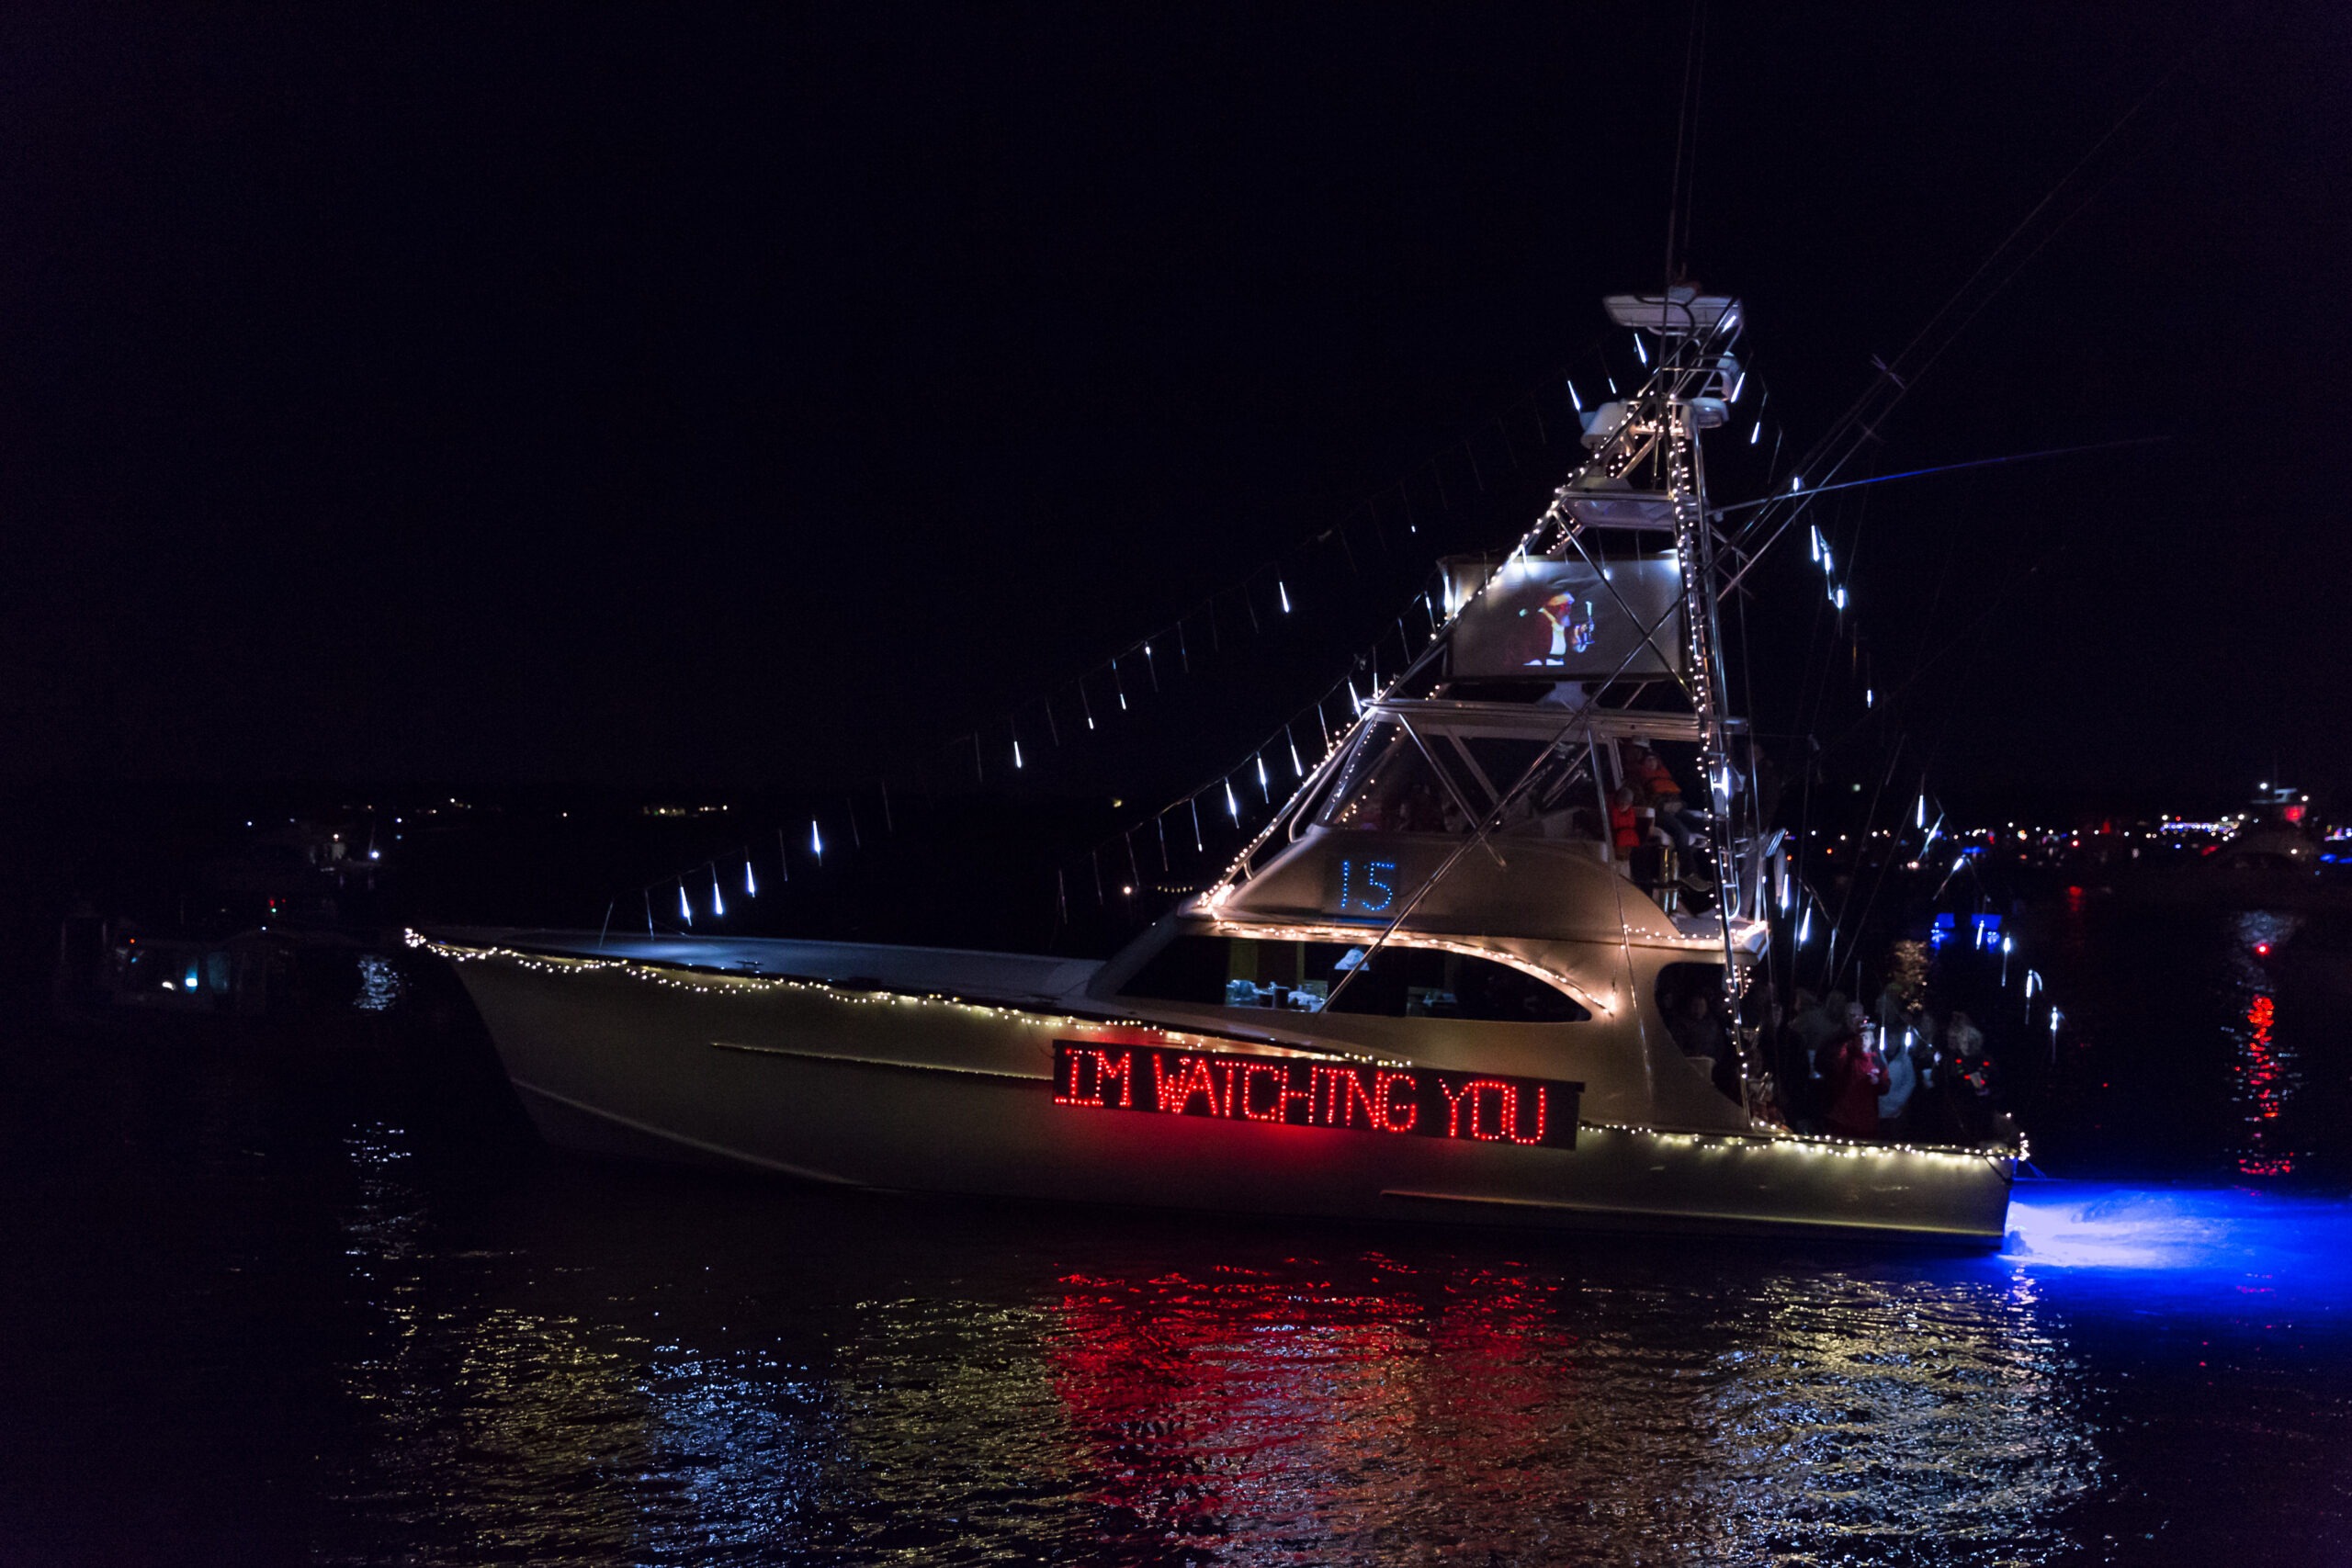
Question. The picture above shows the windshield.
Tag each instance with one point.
(1386, 785)
(1442, 783)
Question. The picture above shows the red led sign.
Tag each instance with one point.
(1297, 1092)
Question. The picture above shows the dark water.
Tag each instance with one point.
(261, 1311)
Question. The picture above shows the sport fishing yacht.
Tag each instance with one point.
(1433, 989)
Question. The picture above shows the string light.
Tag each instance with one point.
(1265, 787)
(1149, 649)
(750, 884)
(816, 842)
(717, 901)
(1232, 807)
(685, 910)
(1756, 432)
(1639, 352)
(1575, 401)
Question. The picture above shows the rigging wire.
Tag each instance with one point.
(1844, 439)
(1830, 455)
(1681, 189)
(1939, 469)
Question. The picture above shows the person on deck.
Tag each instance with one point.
(1795, 1086)
(1966, 1082)
(1890, 1014)
(1697, 1030)
(1698, 1027)
(1962, 1038)
(1901, 1065)
(1817, 1023)
(1852, 1079)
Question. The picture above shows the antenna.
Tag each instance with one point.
(1686, 146)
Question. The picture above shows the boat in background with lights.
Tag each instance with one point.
(2275, 854)
(2276, 832)
(1434, 989)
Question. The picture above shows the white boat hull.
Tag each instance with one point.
(887, 1090)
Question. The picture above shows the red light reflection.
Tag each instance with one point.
(1199, 1400)
(2264, 1086)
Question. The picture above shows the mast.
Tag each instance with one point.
(1696, 380)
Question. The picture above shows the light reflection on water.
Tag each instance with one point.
(254, 1316)
(379, 1349)
(658, 1372)
(2265, 1067)
(661, 1371)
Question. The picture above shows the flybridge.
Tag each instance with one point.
(1561, 661)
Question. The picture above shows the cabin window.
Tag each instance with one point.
(1299, 976)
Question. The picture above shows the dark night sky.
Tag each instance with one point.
(539, 393)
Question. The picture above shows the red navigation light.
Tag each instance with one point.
(2262, 950)
(2293, 814)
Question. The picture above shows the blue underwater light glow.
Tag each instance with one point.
(2220, 1240)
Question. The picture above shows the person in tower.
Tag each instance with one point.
(1656, 786)
(1624, 822)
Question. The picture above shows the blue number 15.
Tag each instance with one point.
(1374, 879)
